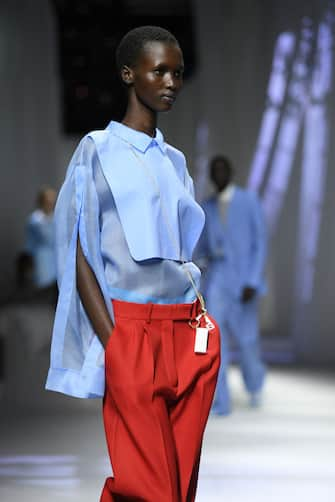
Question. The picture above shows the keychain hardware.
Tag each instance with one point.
(195, 323)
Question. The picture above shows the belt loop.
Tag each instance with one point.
(150, 305)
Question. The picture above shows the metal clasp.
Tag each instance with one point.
(195, 323)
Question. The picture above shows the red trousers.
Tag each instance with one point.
(157, 400)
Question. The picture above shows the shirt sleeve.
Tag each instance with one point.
(259, 244)
(77, 357)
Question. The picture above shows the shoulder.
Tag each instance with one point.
(93, 140)
(36, 217)
(247, 194)
(97, 140)
(176, 156)
(179, 161)
(107, 145)
(98, 137)
(86, 152)
(250, 201)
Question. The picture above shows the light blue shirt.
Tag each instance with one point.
(40, 243)
(130, 198)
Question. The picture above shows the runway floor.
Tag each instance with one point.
(283, 451)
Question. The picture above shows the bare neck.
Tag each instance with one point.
(140, 118)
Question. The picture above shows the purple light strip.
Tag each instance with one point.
(283, 54)
(286, 145)
(314, 162)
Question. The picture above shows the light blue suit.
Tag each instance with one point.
(234, 248)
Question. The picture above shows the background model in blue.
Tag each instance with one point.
(233, 250)
(40, 239)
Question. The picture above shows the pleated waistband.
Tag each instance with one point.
(148, 311)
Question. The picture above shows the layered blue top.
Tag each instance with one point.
(130, 199)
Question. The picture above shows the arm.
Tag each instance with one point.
(92, 298)
(258, 252)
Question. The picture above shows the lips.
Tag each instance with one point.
(169, 98)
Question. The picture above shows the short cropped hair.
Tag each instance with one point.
(131, 45)
(222, 159)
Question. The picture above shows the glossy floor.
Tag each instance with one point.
(283, 451)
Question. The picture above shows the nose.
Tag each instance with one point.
(171, 82)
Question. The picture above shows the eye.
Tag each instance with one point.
(158, 71)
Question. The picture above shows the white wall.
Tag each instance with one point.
(32, 148)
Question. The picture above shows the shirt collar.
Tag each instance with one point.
(227, 194)
(138, 139)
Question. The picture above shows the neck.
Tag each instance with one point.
(221, 190)
(140, 118)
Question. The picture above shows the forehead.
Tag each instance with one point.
(161, 53)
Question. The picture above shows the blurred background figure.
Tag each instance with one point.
(233, 249)
(27, 314)
(40, 239)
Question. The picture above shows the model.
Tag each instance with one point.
(131, 324)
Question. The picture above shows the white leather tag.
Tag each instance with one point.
(201, 340)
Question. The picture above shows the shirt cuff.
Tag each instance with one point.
(82, 384)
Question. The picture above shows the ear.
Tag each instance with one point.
(127, 75)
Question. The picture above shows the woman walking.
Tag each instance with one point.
(131, 324)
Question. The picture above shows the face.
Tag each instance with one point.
(157, 77)
(221, 175)
(48, 200)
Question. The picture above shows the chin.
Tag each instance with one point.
(166, 107)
